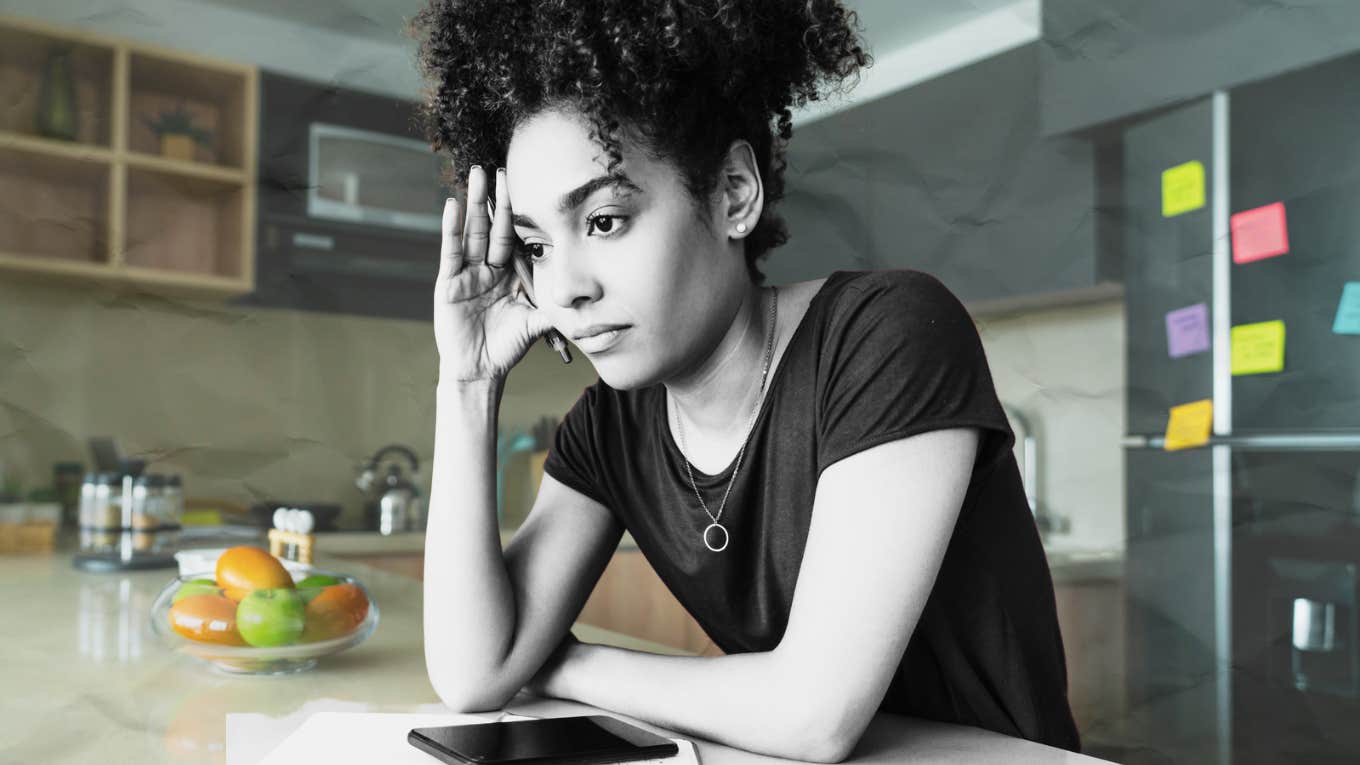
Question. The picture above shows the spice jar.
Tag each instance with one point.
(101, 512)
(172, 502)
(146, 511)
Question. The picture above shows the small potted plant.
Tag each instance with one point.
(177, 133)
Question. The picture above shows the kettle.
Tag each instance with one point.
(399, 506)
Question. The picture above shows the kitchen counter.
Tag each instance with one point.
(1066, 565)
(1080, 566)
(87, 681)
(373, 543)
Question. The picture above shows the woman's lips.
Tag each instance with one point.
(601, 342)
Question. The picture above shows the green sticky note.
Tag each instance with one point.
(1182, 188)
(1258, 348)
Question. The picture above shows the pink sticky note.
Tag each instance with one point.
(1187, 330)
(1260, 233)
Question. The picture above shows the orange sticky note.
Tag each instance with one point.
(1189, 425)
(1260, 233)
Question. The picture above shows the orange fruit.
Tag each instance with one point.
(206, 618)
(337, 610)
(243, 569)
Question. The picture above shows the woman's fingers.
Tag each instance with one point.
(451, 241)
(503, 239)
(476, 231)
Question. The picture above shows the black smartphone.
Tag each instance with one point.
(578, 740)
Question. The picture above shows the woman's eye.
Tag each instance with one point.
(531, 250)
(603, 223)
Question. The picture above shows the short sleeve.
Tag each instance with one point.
(903, 357)
(573, 457)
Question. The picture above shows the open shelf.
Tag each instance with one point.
(187, 169)
(25, 63)
(215, 99)
(184, 224)
(113, 205)
(53, 208)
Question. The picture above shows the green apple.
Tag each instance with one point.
(311, 586)
(271, 617)
(195, 587)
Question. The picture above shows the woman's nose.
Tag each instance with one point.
(571, 280)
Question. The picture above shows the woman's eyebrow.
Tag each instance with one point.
(574, 198)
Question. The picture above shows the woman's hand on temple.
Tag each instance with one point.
(483, 324)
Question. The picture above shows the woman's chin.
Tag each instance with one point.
(621, 376)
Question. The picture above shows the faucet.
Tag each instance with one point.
(1045, 521)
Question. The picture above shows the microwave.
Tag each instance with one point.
(349, 202)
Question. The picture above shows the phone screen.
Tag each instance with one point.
(579, 739)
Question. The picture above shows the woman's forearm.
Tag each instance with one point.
(744, 700)
(469, 604)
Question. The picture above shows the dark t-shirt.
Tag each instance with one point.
(878, 356)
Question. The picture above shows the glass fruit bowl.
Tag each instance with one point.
(265, 631)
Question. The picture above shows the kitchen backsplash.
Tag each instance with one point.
(247, 404)
(255, 403)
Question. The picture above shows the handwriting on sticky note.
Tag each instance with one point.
(1182, 188)
(1189, 425)
(1187, 330)
(1258, 348)
(1259, 233)
(1348, 312)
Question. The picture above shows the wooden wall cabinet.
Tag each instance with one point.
(103, 202)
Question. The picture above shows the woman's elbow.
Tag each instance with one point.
(828, 732)
(829, 747)
(466, 698)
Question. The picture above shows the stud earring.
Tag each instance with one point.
(741, 228)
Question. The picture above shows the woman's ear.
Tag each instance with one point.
(742, 196)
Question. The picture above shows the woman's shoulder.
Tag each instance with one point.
(893, 281)
(898, 296)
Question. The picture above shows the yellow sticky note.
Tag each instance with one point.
(1258, 348)
(1182, 188)
(1189, 425)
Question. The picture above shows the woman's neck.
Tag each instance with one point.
(718, 396)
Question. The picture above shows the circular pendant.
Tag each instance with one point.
(708, 544)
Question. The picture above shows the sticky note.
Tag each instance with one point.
(1189, 425)
(1182, 188)
(1187, 330)
(1259, 233)
(1348, 312)
(1258, 348)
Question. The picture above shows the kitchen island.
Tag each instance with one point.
(86, 680)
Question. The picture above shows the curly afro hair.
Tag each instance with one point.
(685, 78)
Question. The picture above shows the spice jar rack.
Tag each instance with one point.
(129, 521)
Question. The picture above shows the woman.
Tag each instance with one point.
(841, 434)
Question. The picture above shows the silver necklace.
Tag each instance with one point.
(680, 429)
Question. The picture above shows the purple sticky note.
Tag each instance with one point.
(1187, 330)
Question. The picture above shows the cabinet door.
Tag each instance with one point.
(1169, 265)
(1294, 141)
(950, 177)
(1169, 575)
(1106, 59)
(632, 600)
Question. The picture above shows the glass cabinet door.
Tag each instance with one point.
(1168, 265)
(1295, 142)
